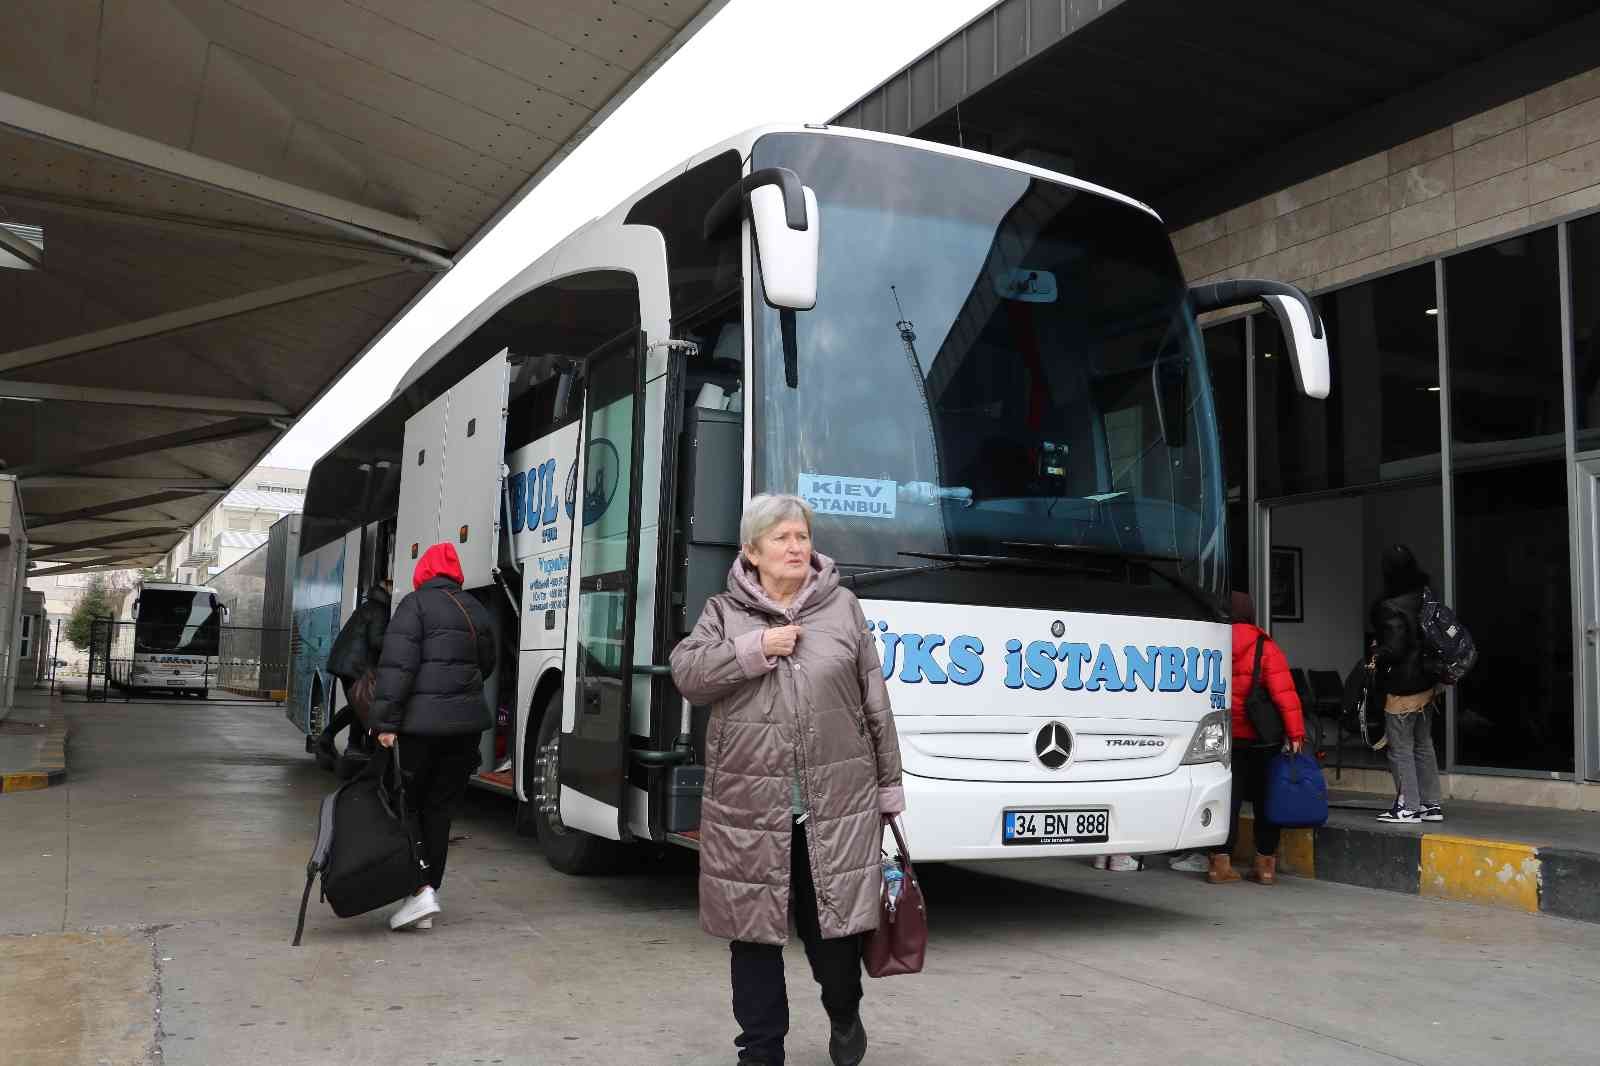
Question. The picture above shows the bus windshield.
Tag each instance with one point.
(996, 365)
(178, 622)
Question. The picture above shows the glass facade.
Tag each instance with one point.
(1484, 498)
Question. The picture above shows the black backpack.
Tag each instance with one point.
(1446, 644)
(367, 851)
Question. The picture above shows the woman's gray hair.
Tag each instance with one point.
(767, 510)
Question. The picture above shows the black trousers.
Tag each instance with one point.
(1250, 783)
(760, 998)
(436, 770)
(345, 717)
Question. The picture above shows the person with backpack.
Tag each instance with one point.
(1266, 717)
(1407, 676)
(354, 655)
(438, 650)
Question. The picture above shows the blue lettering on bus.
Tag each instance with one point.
(1040, 665)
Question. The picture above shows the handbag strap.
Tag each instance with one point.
(900, 842)
(470, 627)
(1255, 671)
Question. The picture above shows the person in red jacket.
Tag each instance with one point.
(1250, 757)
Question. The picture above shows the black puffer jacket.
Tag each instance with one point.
(430, 678)
(356, 649)
(1403, 669)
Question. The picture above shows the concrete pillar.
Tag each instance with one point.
(13, 582)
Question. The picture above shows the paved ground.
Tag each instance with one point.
(146, 907)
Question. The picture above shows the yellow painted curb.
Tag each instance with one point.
(1481, 871)
(1296, 848)
(23, 782)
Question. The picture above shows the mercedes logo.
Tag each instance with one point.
(1053, 746)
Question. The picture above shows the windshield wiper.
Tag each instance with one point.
(872, 577)
(1147, 561)
(1014, 561)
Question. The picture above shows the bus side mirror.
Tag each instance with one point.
(1308, 347)
(788, 255)
(1302, 327)
(784, 217)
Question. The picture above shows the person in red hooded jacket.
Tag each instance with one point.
(1250, 757)
(437, 651)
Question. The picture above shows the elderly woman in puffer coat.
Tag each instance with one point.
(802, 770)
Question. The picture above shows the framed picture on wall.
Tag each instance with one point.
(1285, 586)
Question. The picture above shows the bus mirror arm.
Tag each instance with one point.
(1302, 327)
(787, 227)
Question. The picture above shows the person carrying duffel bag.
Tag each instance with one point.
(1266, 718)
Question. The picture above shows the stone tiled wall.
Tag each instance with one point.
(1533, 160)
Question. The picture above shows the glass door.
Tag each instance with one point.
(594, 753)
(1589, 606)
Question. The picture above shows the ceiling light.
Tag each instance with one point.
(1431, 311)
(1266, 355)
(23, 399)
(1433, 388)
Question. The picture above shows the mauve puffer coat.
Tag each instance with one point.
(822, 713)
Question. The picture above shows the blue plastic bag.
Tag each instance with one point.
(1297, 796)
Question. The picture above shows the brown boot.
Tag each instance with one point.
(1222, 871)
(1265, 870)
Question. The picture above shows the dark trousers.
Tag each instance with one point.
(760, 998)
(1250, 765)
(345, 718)
(436, 771)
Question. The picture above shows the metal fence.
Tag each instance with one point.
(248, 665)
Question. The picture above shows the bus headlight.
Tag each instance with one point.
(1212, 740)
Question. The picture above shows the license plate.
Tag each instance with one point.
(1057, 826)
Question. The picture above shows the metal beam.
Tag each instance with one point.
(189, 317)
(214, 405)
(110, 481)
(83, 135)
(116, 539)
(100, 510)
(211, 433)
(25, 250)
(288, 240)
(110, 562)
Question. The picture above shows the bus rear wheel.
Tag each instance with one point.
(569, 850)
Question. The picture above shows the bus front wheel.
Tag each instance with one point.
(569, 850)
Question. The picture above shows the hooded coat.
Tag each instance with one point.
(1403, 666)
(820, 716)
(437, 651)
(356, 649)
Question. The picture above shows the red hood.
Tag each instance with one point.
(440, 560)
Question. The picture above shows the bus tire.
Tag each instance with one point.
(526, 820)
(571, 851)
(205, 694)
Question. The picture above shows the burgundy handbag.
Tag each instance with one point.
(899, 943)
(361, 694)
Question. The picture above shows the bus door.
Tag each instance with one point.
(604, 495)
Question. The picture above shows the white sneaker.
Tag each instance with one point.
(1196, 862)
(1124, 863)
(426, 923)
(414, 910)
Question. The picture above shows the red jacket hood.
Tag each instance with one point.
(440, 560)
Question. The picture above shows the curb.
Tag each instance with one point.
(1513, 875)
(51, 768)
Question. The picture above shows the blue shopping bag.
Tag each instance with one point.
(1297, 796)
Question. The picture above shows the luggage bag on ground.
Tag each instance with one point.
(367, 852)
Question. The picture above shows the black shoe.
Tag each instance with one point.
(848, 1045)
(327, 755)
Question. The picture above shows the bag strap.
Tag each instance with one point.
(900, 842)
(305, 898)
(1255, 671)
(470, 627)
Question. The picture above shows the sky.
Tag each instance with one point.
(745, 67)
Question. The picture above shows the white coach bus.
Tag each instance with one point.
(987, 379)
(167, 639)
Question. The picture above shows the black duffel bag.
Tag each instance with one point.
(367, 851)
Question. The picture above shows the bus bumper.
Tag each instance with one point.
(951, 821)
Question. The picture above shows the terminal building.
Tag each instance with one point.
(1430, 171)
